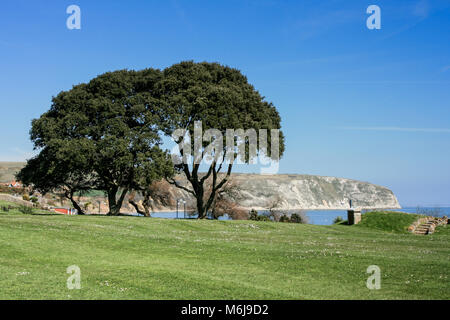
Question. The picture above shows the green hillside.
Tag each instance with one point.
(143, 258)
(388, 221)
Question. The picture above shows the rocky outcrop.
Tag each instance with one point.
(305, 192)
(313, 192)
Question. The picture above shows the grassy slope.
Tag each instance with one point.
(137, 258)
(388, 221)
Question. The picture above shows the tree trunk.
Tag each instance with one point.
(69, 195)
(201, 210)
(146, 211)
(115, 204)
(77, 207)
(147, 205)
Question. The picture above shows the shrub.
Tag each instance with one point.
(25, 209)
(299, 216)
(258, 217)
(262, 218)
(284, 218)
(34, 200)
(338, 219)
(26, 197)
(87, 205)
(253, 214)
(296, 218)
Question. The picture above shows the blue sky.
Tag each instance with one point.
(372, 105)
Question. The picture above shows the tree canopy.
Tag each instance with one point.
(107, 129)
(105, 134)
(220, 98)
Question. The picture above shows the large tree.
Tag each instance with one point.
(111, 126)
(218, 97)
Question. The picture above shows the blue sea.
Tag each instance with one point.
(326, 217)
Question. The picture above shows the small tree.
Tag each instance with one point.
(298, 218)
(273, 206)
(338, 219)
(157, 193)
(253, 214)
(225, 201)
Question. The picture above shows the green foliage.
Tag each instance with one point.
(34, 199)
(5, 208)
(104, 135)
(253, 215)
(25, 209)
(297, 218)
(221, 98)
(87, 205)
(338, 219)
(262, 217)
(100, 135)
(258, 217)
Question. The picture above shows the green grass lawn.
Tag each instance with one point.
(141, 258)
(388, 221)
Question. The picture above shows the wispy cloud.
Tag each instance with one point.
(397, 129)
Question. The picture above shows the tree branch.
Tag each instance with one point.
(173, 182)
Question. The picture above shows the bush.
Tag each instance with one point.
(284, 218)
(257, 217)
(262, 218)
(25, 209)
(253, 214)
(297, 218)
(26, 197)
(338, 219)
(34, 200)
(87, 205)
